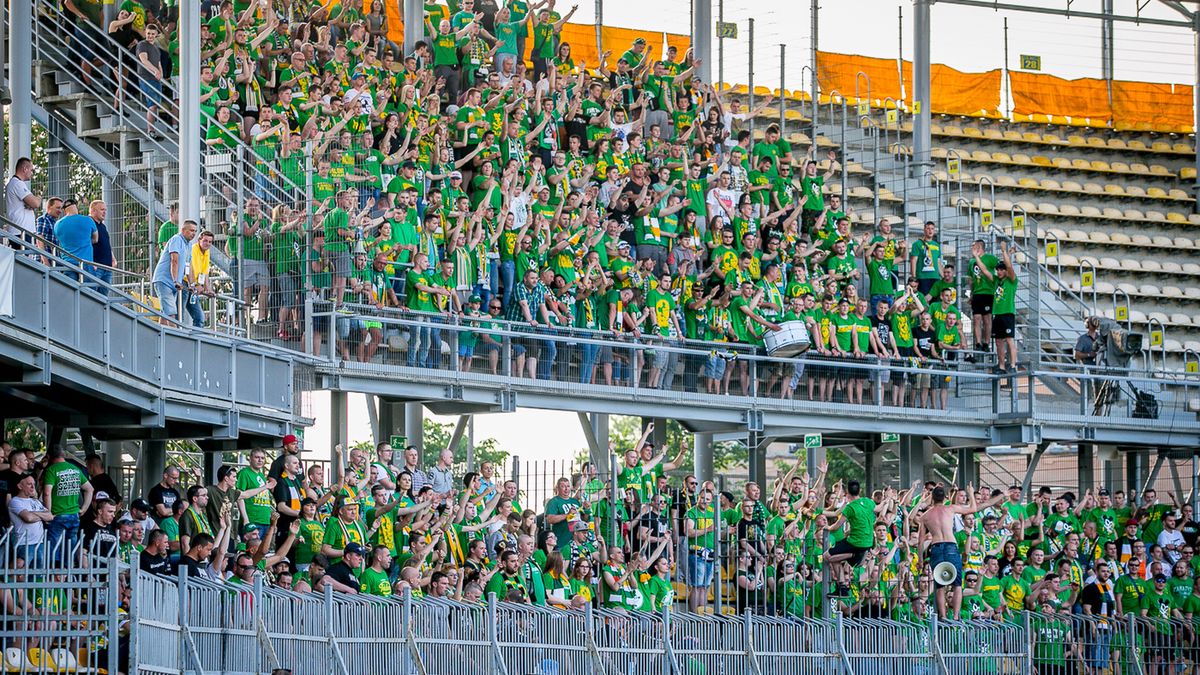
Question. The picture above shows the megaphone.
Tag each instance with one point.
(944, 573)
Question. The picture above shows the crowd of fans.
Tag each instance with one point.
(489, 177)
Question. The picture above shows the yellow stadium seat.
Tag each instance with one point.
(949, 130)
(1021, 158)
(1096, 142)
(993, 134)
(1002, 157)
(1188, 173)
(1183, 148)
(1069, 210)
(1160, 146)
(1134, 214)
(1156, 216)
(1135, 191)
(1004, 205)
(1156, 193)
(1076, 141)
(1119, 238)
(1092, 212)
(1071, 186)
(1050, 184)
(935, 129)
(1176, 193)
(1116, 144)
(1159, 170)
(1047, 208)
(1031, 137)
(1194, 218)
(1138, 167)
(1051, 138)
(1041, 160)
(861, 191)
(981, 156)
(1027, 182)
(1005, 181)
(793, 115)
(1061, 163)
(1099, 165)
(1135, 144)
(1176, 217)
(762, 91)
(939, 153)
(1113, 213)
(741, 89)
(972, 132)
(1141, 240)
(1081, 164)
(1092, 189)
(1112, 189)
(1119, 167)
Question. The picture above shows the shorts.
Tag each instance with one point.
(151, 92)
(1004, 326)
(715, 368)
(926, 285)
(289, 289)
(981, 305)
(700, 570)
(255, 273)
(921, 380)
(945, 551)
(466, 351)
(844, 546)
(340, 260)
(808, 220)
(940, 381)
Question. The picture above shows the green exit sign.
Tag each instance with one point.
(398, 442)
(812, 440)
(889, 438)
(727, 29)
(1031, 62)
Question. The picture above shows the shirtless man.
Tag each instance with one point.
(938, 521)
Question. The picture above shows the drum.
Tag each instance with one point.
(790, 340)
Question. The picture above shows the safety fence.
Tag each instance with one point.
(215, 627)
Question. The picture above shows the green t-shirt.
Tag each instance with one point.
(558, 506)
(66, 485)
(166, 231)
(337, 219)
(258, 507)
(309, 540)
(980, 284)
(1132, 592)
(1050, 646)
(860, 513)
(700, 520)
(373, 582)
(1006, 297)
(929, 258)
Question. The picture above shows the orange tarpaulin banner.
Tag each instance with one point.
(879, 78)
(1157, 105)
(1037, 93)
(954, 92)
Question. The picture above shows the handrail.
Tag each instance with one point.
(858, 77)
(865, 122)
(1118, 306)
(991, 208)
(1024, 228)
(954, 154)
(1161, 334)
(1084, 266)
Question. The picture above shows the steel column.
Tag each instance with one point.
(20, 81)
(414, 31)
(702, 456)
(151, 464)
(1086, 466)
(414, 427)
(189, 114)
(339, 429)
(702, 37)
(921, 87)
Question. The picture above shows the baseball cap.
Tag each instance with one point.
(248, 528)
(290, 438)
(640, 41)
(1103, 492)
(1160, 578)
(409, 165)
(474, 298)
(354, 547)
(456, 174)
(623, 244)
(140, 505)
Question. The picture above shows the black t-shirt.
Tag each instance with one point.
(195, 568)
(158, 565)
(100, 541)
(883, 328)
(750, 530)
(342, 574)
(161, 495)
(104, 487)
(1101, 601)
(924, 339)
(8, 486)
(1191, 532)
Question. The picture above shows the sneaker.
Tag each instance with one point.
(284, 335)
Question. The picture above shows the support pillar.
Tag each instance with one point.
(702, 456)
(756, 449)
(151, 464)
(595, 431)
(414, 26)
(874, 468)
(814, 458)
(921, 87)
(1086, 468)
(1135, 469)
(659, 437)
(58, 180)
(112, 452)
(414, 428)
(913, 462)
(212, 462)
(111, 194)
(339, 429)
(460, 430)
(702, 30)
(189, 115)
(966, 474)
(391, 421)
(20, 82)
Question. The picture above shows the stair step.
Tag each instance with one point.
(112, 135)
(72, 98)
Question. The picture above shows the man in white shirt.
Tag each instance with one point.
(1171, 539)
(29, 517)
(21, 204)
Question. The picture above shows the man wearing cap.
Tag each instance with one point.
(343, 530)
(345, 572)
(138, 514)
(291, 446)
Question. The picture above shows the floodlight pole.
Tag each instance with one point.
(1106, 47)
(921, 87)
(20, 81)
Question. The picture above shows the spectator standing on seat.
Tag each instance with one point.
(1087, 346)
(255, 510)
(1004, 319)
(103, 486)
(291, 446)
(164, 494)
(66, 490)
(983, 293)
(150, 73)
(169, 272)
(925, 259)
(21, 204)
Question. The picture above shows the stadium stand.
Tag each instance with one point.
(350, 184)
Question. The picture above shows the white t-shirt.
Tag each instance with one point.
(728, 120)
(15, 192)
(27, 533)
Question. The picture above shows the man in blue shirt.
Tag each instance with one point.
(102, 249)
(172, 264)
(76, 234)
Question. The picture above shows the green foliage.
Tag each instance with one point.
(22, 434)
(437, 436)
(624, 431)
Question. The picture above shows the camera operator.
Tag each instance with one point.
(1088, 345)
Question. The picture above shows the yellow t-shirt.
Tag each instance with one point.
(201, 261)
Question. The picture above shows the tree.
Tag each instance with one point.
(624, 431)
(437, 436)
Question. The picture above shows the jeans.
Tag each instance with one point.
(34, 555)
(549, 353)
(104, 276)
(508, 273)
(168, 298)
(588, 363)
(191, 304)
(424, 346)
(62, 534)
